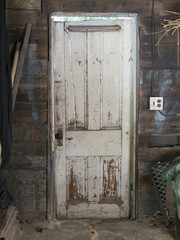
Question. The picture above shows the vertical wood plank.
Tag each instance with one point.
(94, 179)
(76, 178)
(20, 64)
(111, 178)
(111, 80)
(94, 80)
(75, 60)
(127, 109)
(59, 100)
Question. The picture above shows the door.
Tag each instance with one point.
(93, 69)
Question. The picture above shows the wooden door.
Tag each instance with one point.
(93, 81)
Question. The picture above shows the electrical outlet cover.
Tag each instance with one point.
(156, 103)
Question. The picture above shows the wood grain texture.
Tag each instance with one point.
(30, 113)
(25, 16)
(20, 63)
(38, 35)
(23, 4)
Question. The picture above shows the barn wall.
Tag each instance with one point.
(158, 135)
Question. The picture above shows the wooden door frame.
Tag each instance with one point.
(51, 188)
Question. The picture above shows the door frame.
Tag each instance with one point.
(51, 186)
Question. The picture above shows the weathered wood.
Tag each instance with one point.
(23, 4)
(60, 117)
(97, 6)
(30, 113)
(76, 90)
(37, 51)
(147, 117)
(28, 162)
(24, 148)
(161, 63)
(31, 107)
(35, 67)
(9, 227)
(101, 53)
(163, 141)
(15, 62)
(20, 63)
(24, 17)
(105, 143)
(172, 90)
(93, 210)
(38, 35)
(158, 154)
(128, 6)
(143, 141)
(34, 133)
(33, 88)
(29, 81)
(30, 191)
(163, 78)
(159, 128)
(31, 94)
(34, 51)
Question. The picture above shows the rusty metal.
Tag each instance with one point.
(59, 137)
(93, 28)
(160, 185)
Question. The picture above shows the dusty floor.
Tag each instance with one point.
(142, 229)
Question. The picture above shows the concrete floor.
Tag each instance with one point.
(142, 229)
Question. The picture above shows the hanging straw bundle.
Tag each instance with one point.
(172, 26)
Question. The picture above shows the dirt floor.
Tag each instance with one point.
(151, 228)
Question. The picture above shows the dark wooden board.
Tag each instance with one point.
(23, 4)
(38, 36)
(35, 67)
(30, 113)
(31, 94)
(32, 148)
(28, 162)
(35, 133)
(37, 51)
(162, 77)
(172, 91)
(159, 128)
(158, 154)
(20, 64)
(22, 17)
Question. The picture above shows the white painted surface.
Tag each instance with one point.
(94, 74)
(93, 143)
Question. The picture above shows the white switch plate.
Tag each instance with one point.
(156, 103)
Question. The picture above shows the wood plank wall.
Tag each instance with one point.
(158, 135)
(27, 168)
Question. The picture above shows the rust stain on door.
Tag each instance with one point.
(73, 187)
(110, 178)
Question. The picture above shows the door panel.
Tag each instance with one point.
(93, 159)
(93, 143)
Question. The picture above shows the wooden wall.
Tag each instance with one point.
(158, 136)
(27, 168)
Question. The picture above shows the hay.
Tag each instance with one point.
(172, 26)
